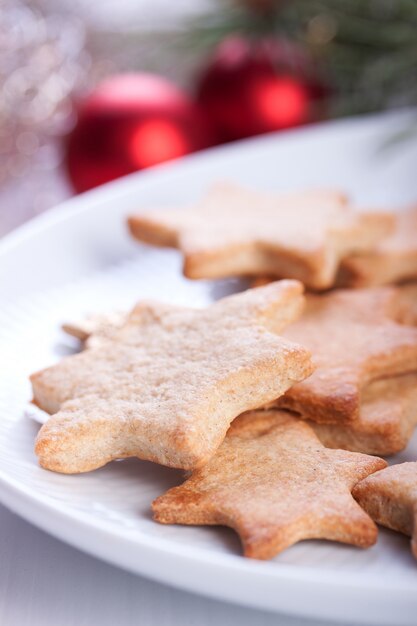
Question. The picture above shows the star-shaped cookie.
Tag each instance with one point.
(393, 260)
(387, 419)
(275, 484)
(354, 338)
(166, 385)
(238, 232)
(390, 498)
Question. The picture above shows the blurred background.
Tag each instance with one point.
(93, 91)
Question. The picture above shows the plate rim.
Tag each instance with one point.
(347, 588)
(82, 518)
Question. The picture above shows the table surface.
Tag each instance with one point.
(44, 582)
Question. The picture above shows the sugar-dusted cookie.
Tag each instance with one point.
(275, 484)
(167, 384)
(354, 339)
(238, 232)
(394, 259)
(100, 326)
(390, 498)
(387, 419)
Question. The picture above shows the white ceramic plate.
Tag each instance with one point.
(79, 258)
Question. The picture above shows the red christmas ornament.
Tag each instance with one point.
(128, 123)
(250, 88)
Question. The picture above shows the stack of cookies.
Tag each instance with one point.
(278, 403)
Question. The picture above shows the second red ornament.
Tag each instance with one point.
(254, 87)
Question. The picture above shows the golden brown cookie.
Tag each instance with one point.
(387, 419)
(406, 300)
(275, 484)
(390, 498)
(166, 385)
(394, 259)
(407, 304)
(237, 232)
(354, 339)
(261, 281)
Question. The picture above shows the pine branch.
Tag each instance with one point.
(365, 49)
